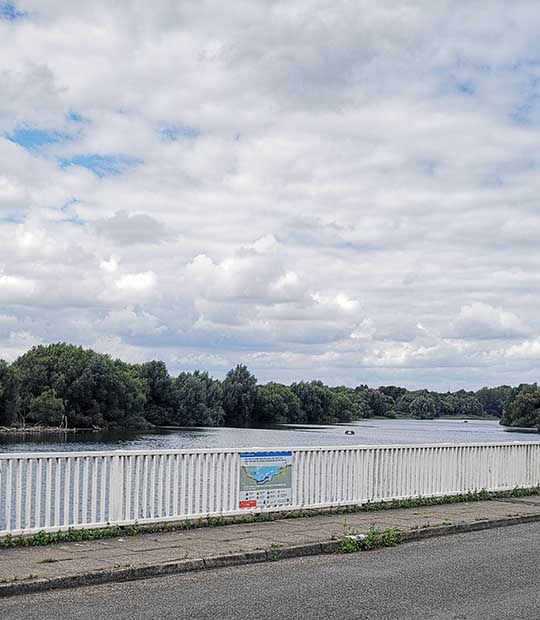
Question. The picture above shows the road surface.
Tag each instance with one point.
(491, 575)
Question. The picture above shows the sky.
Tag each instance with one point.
(337, 190)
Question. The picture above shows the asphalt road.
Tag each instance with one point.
(492, 574)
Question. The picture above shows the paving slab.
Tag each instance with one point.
(211, 546)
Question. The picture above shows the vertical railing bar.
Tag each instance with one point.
(28, 493)
(76, 490)
(160, 490)
(175, 482)
(205, 508)
(85, 481)
(57, 495)
(94, 492)
(9, 483)
(67, 491)
(168, 485)
(39, 491)
(211, 509)
(145, 468)
(197, 483)
(48, 493)
(137, 487)
(18, 494)
(233, 483)
(103, 489)
(183, 486)
(152, 489)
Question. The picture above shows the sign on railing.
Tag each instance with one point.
(265, 479)
(52, 491)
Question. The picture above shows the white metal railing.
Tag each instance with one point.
(54, 491)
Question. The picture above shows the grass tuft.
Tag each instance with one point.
(374, 539)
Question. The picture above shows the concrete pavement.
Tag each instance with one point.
(485, 575)
(116, 559)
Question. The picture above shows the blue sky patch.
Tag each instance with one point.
(32, 137)
(526, 112)
(101, 165)
(467, 88)
(9, 12)
(13, 218)
(74, 117)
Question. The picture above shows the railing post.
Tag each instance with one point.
(116, 489)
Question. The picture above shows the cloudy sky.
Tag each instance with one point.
(334, 189)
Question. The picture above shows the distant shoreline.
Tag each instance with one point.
(33, 430)
(489, 418)
(54, 430)
(520, 429)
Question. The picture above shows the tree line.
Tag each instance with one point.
(62, 385)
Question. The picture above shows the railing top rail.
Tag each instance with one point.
(110, 453)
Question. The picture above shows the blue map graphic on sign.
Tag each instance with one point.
(261, 475)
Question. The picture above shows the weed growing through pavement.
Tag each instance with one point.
(374, 539)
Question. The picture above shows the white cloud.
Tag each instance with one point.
(258, 275)
(117, 348)
(339, 301)
(479, 321)
(136, 282)
(12, 195)
(130, 228)
(7, 321)
(16, 343)
(110, 265)
(528, 350)
(325, 189)
(14, 289)
(128, 321)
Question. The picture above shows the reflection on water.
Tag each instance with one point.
(367, 432)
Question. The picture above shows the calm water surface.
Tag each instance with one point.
(367, 432)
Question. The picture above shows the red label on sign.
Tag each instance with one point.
(252, 503)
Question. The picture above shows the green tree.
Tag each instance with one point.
(276, 404)
(422, 407)
(315, 399)
(342, 407)
(47, 409)
(361, 395)
(380, 403)
(354, 404)
(494, 399)
(161, 400)
(9, 393)
(96, 390)
(198, 400)
(393, 391)
(523, 407)
(239, 396)
(362, 408)
(469, 406)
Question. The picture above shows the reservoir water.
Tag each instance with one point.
(366, 432)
